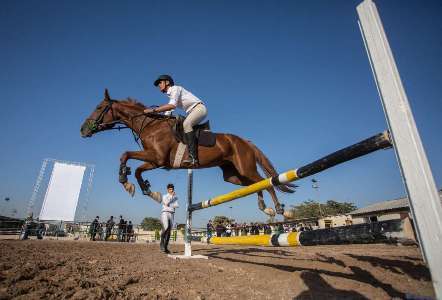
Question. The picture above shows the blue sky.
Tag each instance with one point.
(292, 76)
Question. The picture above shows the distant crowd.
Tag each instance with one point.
(123, 231)
(234, 229)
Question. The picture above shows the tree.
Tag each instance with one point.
(338, 208)
(221, 220)
(313, 209)
(150, 224)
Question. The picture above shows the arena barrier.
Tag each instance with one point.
(374, 143)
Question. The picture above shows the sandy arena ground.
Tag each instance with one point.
(52, 269)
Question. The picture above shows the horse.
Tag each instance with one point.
(237, 157)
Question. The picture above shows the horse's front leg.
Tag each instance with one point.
(125, 170)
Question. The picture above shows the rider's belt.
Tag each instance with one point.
(194, 107)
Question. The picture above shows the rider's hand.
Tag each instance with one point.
(148, 110)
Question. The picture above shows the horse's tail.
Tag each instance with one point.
(267, 167)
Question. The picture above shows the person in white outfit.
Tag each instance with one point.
(169, 202)
(181, 98)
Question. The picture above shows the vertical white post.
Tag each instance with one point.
(188, 231)
(423, 196)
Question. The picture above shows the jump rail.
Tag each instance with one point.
(378, 232)
(374, 143)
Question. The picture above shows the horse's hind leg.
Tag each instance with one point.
(230, 174)
(246, 167)
(278, 207)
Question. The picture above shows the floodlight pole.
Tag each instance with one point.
(422, 193)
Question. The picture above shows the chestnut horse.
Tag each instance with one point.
(236, 157)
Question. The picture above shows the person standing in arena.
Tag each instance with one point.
(169, 201)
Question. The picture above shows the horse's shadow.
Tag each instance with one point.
(416, 270)
(318, 287)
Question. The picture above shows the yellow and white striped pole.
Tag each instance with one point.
(276, 240)
(248, 190)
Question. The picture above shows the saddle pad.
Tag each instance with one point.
(179, 155)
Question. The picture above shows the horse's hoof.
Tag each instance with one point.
(279, 210)
(289, 214)
(269, 211)
(130, 188)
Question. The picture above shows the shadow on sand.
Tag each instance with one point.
(318, 287)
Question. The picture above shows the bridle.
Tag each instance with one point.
(95, 125)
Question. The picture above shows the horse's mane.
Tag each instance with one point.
(133, 102)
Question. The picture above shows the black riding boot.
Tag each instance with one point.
(193, 150)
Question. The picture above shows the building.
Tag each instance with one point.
(334, 221)
(397, 209)
(383, 211)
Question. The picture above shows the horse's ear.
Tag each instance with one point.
(106, 94)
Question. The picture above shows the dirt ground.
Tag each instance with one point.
(52, 269)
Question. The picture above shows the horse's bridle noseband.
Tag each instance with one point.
(96, 124)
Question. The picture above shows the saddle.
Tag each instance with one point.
(203, 134)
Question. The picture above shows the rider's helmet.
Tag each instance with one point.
(163, 77)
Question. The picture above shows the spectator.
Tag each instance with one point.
(220, 230)
(236, 229)
(109, 226)
(40, 229)
(130, 231)
(267, 229)
(280, 228)
(209, 229)
(228, 229)
(244, 229)
(257, 227)
(94, 228)
(121, 229)
(124, 231)
(26, 228)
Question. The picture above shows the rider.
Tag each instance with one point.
(170, 203)
(192, 105)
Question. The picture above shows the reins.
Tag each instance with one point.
(136, 135)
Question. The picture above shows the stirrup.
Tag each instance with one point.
(192, 161)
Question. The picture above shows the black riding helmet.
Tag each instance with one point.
(163, 77)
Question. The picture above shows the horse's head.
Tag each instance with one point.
(102, 117)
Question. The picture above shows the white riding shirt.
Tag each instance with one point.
(169, 203)
(182, 98)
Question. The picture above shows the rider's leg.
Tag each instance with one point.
(196, 115)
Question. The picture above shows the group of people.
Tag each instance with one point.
(104, 231)
(230, 229)
(234, 229)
